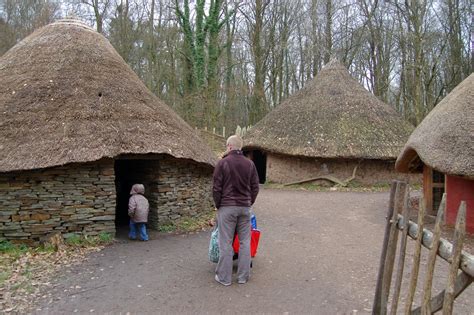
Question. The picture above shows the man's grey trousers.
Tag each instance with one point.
(228, 218)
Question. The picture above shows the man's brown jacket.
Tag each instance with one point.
(235, 181)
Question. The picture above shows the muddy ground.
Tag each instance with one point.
(319, 253)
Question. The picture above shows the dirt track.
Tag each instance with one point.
(319, 254)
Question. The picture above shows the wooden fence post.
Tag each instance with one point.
(380, 302)
(459, 233)
(401, 256)
(392, 244)
(426, 305)
(416, 258)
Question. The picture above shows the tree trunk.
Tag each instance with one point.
(328, 32)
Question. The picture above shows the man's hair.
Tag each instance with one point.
(235, 142)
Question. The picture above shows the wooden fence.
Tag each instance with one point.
(461, 271)
(241, 131)
(216, 138)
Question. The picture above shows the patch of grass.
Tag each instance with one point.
(6, 247)
(74, 240)
(47, 248)
(85, 240)
(105, 238)
(167, 228)
(4, 275)
(188, 224)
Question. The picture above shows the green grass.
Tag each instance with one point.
(188, 224)
(6, 247)
(84, 240)
(167, 228)
(74, 240)
(105, 237)
(4, 275)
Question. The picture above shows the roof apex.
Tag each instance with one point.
(332, 116)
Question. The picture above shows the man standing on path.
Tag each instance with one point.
(235, 188)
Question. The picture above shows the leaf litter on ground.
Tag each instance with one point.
(26, 277)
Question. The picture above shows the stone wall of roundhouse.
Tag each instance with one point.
(184, 189)
(286, 169)
(75, 198)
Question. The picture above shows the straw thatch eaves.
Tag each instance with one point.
(333, 116)
(67, 96)
(445, 138)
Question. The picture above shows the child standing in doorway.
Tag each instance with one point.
(138, 209)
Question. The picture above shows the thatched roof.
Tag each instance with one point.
(333, 116)
(445, 138)
(67, 96)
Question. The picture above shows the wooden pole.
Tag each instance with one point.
(416, 259)
(392, 244)
(426, 305)
(459, 233)
(377, 306)
(401, 257)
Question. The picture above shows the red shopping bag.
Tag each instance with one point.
(254, 239)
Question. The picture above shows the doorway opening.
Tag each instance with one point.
(127, 173)
(259, 158)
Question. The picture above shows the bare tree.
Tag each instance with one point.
(100, 9)
(18, 18)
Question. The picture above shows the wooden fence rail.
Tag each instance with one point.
(398, 222)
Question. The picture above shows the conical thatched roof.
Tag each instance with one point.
(445, 138)
(67, 96)
(333, 116)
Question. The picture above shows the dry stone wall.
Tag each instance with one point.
(81, 198)
(184, 189)
(76, 198)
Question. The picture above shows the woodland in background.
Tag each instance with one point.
(227, 63)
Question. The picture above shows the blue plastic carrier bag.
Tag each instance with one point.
(253, 220)
(214, 245)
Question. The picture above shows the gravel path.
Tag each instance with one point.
(318, 254)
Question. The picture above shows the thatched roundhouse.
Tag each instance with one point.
(327, 129)
(78, 128)
(442, 147)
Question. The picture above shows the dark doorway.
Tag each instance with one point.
(259, 158)
(127, 173)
